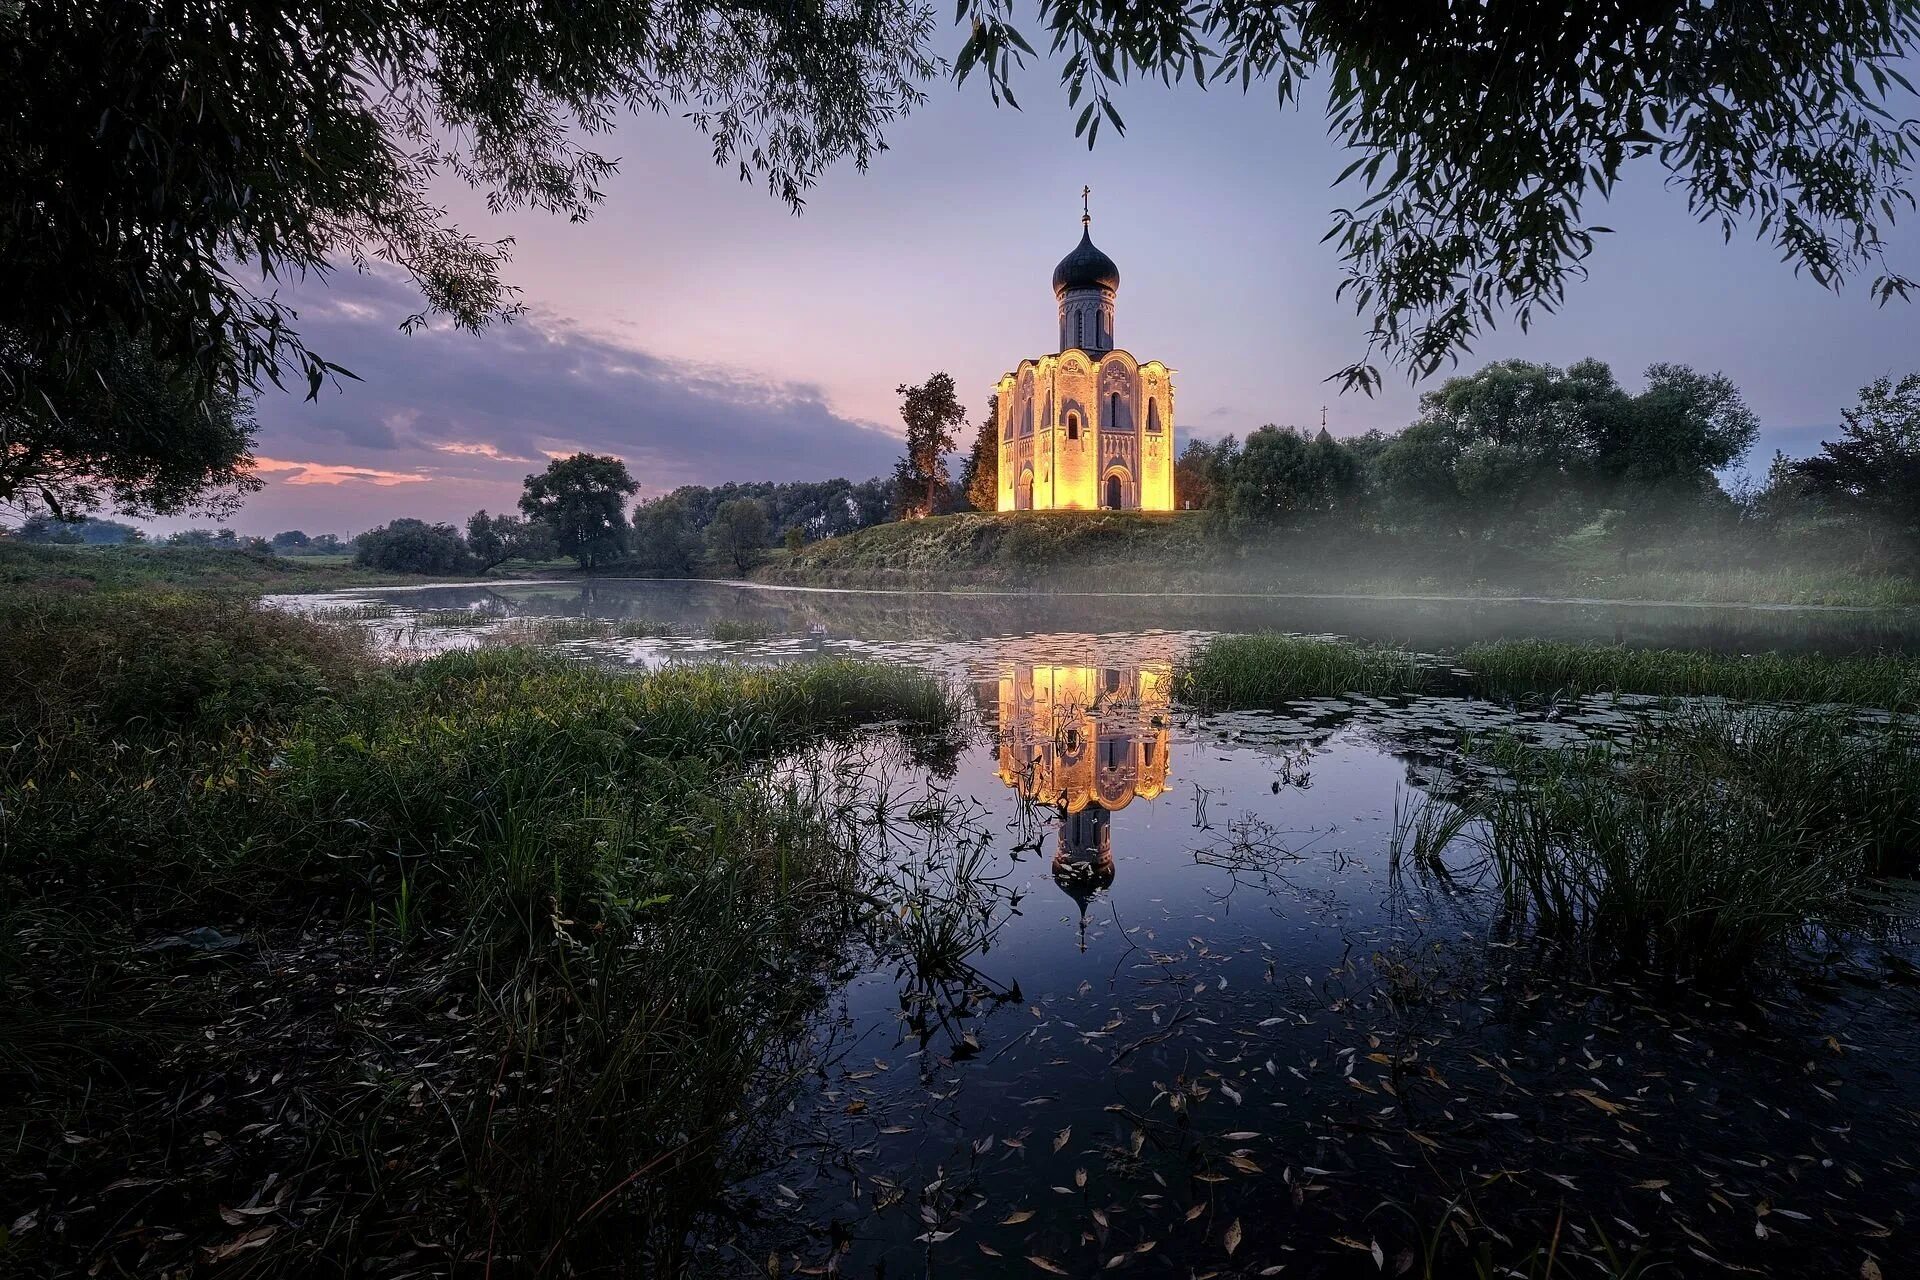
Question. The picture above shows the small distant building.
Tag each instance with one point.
(1089, 426)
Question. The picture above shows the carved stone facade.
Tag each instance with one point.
(1090, 426)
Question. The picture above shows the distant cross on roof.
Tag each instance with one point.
(1086, 205)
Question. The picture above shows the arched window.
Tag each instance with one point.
(1113, 416)
(1079, 328)
(1113, 492)
(1073, 426)
(1153, 417)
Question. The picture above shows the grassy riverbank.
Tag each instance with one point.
(1186, 552)
(323, 964)
(1268, 669)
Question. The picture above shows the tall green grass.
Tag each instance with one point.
(1703, 848)
(1512, 666)
(1268, 668)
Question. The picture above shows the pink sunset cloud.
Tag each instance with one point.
(333, 473)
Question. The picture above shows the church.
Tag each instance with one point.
(1088, 426)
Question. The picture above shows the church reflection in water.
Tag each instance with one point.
(1085, 742)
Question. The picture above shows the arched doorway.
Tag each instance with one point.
(1116, 492)
(1023, 499)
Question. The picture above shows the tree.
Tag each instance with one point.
(933, 414)
(164, 167)
(93, 532)
(125, 429)
(1508, 444)
(494, 540)
(412, 546)
(981, 475)
(738, 534)
(582, 501)
(1281, 476)
(1872, 472)
(1673, 436)
(1780, 116)
(1201, 471)
(291, 540)
(666, 540)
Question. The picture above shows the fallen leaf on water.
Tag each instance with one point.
(1017, 1217)
(1079, 1177)
(1611, 1108)
(986, 1248)
(1869, 1270)
(1046, 1264)
(1061, 1138)
(1196, 1211)
(1232, 1239)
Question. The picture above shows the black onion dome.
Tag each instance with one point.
(1085, 268)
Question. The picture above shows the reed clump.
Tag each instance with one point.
(1518, 666)
(1702, 848)
(734, 629)
(1268, 668)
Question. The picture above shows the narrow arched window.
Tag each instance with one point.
(1113, 418)
(1153, 417)
(1073, 426)
(1079, 328)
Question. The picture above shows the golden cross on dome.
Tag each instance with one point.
(1086, 211)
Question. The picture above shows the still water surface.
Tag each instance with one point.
(1209, 1028)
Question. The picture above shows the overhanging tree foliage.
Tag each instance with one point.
(123, 428)
(1481, 130)
(166, 166)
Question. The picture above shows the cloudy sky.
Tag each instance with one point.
(698, 329)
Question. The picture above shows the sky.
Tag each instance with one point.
(700, 330)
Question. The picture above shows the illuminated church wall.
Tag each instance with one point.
(1088, 426)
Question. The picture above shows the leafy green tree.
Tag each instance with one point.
(1872, 472)
(1673, 436)
(407, 545)
(290, 540)
(981, 475)
(164, 166)
(1200, 472)
(124, 428)
(582, 501)
(933, 415)
(1509, 444)
(494, 540)
(91, 531)
(666, 542)
(1482, 132)
(1281, 476)
(739, 532)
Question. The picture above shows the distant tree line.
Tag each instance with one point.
(1518, 452)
